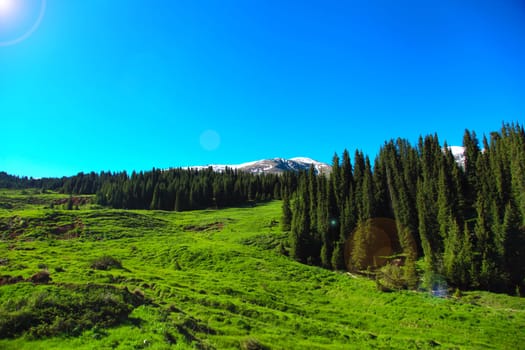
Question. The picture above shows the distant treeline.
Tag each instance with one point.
(173, 189)
(467, 222)
(16, 182)
(186, 189)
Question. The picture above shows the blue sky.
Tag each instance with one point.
(127, 84)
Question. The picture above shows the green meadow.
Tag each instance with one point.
(210, 279)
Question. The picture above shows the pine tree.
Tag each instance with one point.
(180, 201)
(452, 264)
(346, 179)
(486, 268)
(69, 205)
(468, 272)
(514, 245)
(359, 175)
(338, 257)
(428, 227)
(360, 246)
(286, 219)
(155, 201)
(367, 197)
(300, 239)
(323, 223)
(335, 179)
(312, 195)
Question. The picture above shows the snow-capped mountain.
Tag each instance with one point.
(273, 166)
(281, 165)
(459, 154)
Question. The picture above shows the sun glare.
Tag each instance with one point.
(7, 7)
(19, 19)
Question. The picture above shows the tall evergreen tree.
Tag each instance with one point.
(513, 234)
(300, 238)
(286, 219)
(323, 223)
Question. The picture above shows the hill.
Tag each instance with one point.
(210, 279)
(273, 166)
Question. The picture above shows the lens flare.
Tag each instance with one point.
(19, 19)
(210, 140)
(7, 7)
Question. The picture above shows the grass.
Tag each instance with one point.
(214, 279)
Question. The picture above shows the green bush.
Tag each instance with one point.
(106, 262)
(391, 277)
(67, 311)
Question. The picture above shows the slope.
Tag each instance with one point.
(215, 279)
(274, 166)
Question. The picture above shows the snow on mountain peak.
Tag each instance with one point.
(305, 160)
(273, 166)
(459, 154)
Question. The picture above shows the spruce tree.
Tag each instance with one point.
(155, 201)
(300, 239)
(346, 178)
(359, 174)
(367, 196)
(286, 219)
(360, 246)
(338, 256)
(428, 227)
(312, 196)
(335, 179)
(514, 245)
(69, 205)
(323, 223)
(452, 264)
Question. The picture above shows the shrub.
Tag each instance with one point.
(68, 311)
(391, 277)
(40, 277)
(106, 262)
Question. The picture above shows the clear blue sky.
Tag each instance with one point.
(128, 84)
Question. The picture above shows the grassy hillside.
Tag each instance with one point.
(210, 279)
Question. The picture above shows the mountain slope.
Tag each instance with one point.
(280, 165)
(459, 154)
(273, 166)
(214, 279)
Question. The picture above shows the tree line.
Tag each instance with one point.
(173, 189)
(188, 189)
(24, 182)
(465, 222)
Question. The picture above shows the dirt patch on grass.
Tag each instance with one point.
(13, 226)
(76, 201)
(69, 231)
(6, 279)
(41, 277)
(55, 225)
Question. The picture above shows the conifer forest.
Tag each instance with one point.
(461, 222)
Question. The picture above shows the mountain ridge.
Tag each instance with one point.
(272, 166)
(279, 165)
